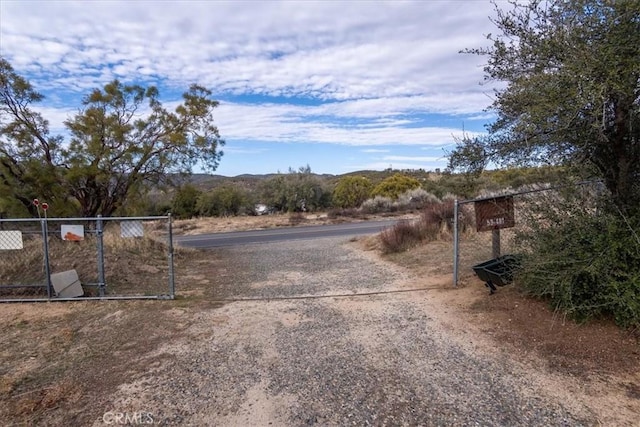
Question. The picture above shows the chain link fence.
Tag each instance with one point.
(86, 258)
(489, 227)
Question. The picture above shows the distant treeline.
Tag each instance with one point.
(301, 190)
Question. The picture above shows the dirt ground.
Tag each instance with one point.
(602, 359)
(529, 325)
(60, 360)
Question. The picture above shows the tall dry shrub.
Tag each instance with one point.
(417, 198)
(402, 236)
(438, 217)
(378, 204)
(435, 223)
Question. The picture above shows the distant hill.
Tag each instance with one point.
(247, 181)
(206, 181)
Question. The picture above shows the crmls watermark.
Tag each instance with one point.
(127, 418)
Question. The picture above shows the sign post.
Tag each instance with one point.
(495, 243)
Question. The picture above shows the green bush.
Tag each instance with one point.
(184, 202)
(351, 191)
(395, 185)
(585, 259)
(296, 191)
(226, 200)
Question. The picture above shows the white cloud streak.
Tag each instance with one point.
(428, 159)
(327, 50)
(328, 124)
(233, 150)
(375, 150)
(373, 69)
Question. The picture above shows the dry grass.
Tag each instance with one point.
(346, 213)
(402, 236)
(23, 266)
(44, 399)
(59, 361)
(297, 218)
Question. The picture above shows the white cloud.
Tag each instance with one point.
(286, 123)
(233, 150)
(428, 159)
(291, 123)
(56, 117)
(328, 50)
(369, 73)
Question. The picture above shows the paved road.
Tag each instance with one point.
(216, 240)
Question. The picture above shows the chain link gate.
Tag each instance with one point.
(55, 259)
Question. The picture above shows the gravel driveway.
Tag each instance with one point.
(381, 359)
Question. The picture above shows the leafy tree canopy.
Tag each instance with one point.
(572, 94)
(225, 200)
(185, 201)
(298, 190)
(121, 140)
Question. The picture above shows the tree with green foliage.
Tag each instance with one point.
(572, 99)
(121, 141)
(395, 185)
(185, 201)
(153, 203)
(572, 94)
(225, 200)
(273, 192)
(298, 190)
(351, 191)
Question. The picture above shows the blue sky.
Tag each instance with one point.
(340, 86)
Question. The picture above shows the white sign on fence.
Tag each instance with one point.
(67, 284)
(131, 229)
(11, 240)
(73, 233)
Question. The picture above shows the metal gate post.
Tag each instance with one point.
(99, 234)
(47, 267)
(172, 283)
(455, 244)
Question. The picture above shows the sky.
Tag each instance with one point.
(340, 86)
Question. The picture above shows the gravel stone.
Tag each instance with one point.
(379, 360)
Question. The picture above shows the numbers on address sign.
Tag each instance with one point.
(492, 222)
